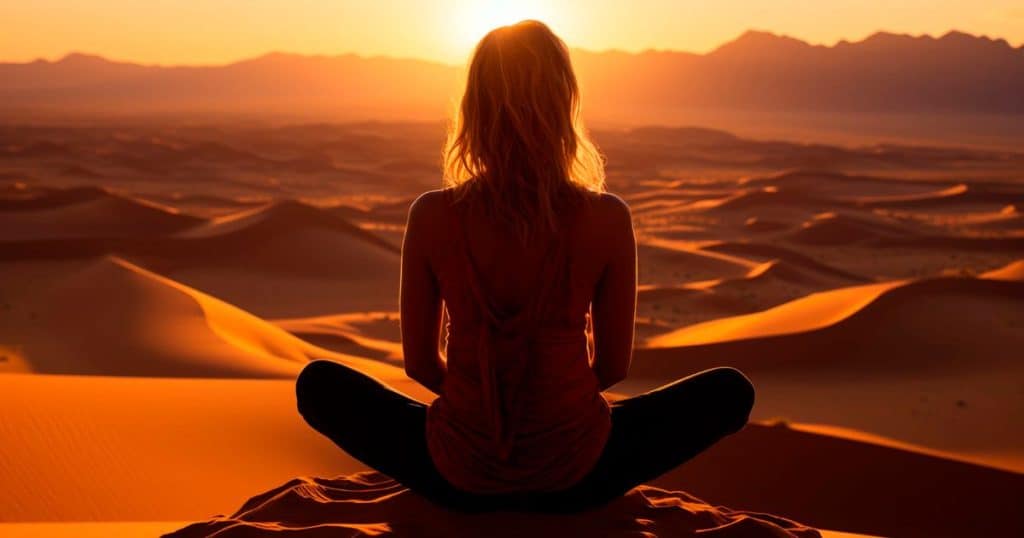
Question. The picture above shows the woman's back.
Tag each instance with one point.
(507, 266)
(520, 406)
(518, 249)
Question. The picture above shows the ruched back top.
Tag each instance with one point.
(520, 407)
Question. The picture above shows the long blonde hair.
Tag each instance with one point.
(518, 137)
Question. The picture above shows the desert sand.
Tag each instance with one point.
(160, 287)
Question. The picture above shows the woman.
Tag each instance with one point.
(519, 249)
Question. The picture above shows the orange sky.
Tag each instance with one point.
(219, 31)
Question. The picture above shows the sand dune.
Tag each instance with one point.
(277, 260)
(660, 201)
(1013, 272)
(92, 529)
(899, 316)
(663, 307)
(19, 196)
(671, 194)
(764, 285)
(393, 212)
(138, 449)
(347, 333)
(289, 239)
(207, 205)
(1009, 219)
(778, 281)
(116, 318)
(769, 252)
(844, 228)
(1006, 221)
(932, 362)
(765, 200)
(148, 325)
(278, 218)
(267, 219)
(849, 484)
(282, 260)
(159, 156)
(930, 195)
(679, 232)
(957, 197)
(848, 187)
(668, 262)
(795, 273)
(758, 225)
(86, 212)
(944, 196)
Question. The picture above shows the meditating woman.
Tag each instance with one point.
(520, 248)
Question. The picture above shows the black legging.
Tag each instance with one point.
(651, 434)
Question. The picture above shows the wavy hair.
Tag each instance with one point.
(517, 138)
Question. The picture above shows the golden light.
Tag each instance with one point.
(477, 18)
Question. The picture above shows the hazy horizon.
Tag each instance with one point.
(340, 53)
(208, 34)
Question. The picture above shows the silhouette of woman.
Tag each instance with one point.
(520, 249)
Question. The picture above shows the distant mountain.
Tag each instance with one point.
(275, 84)
(956, 73)
(885, 73)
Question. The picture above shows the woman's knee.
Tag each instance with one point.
(738, 393)
(312, 375)
(315, 383)
(328, 386)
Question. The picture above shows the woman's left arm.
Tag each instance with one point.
(420, 298)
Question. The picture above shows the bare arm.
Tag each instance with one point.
(420, 299)
(614, 305)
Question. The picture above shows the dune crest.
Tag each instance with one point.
(287, 238)
(151, 325)
(1013, 271)
(86, 212)
(766, 198)
(345, 333)
(270, 218)
(840, 228)
(370, 504)
(815, 311)
(827, 309)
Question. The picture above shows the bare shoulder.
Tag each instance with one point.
(612, 204)
(427, 209)
(612, 210)
(423, 226)
(428, 205)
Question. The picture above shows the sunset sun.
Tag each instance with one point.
(478, 18)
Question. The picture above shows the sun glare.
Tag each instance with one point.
(478, 18)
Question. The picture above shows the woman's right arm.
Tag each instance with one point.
(614, 305)
(420, 298)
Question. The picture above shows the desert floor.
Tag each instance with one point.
(161, 286)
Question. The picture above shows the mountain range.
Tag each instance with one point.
(885, 73)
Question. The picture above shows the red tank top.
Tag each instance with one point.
(520, 408)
